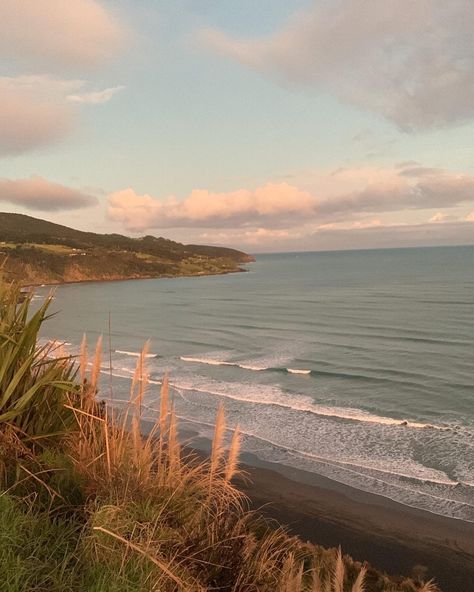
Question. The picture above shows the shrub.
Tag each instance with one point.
(33, 382)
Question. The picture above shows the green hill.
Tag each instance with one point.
(41, 252)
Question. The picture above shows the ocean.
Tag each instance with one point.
(355, 365)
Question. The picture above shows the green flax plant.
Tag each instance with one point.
(35, 382)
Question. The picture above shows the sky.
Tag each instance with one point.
(266, 126)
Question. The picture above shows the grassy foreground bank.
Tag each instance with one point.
(89, 504)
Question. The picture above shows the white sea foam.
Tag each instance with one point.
(127, 376)
(426, 490)
(213, 362)
(265, 395)
(410, 483)
(133, 354)
(57, 342)
(208, 361)
(268, 395)
(253, 366)
(57, 348)
(250, 367)
(355, 467)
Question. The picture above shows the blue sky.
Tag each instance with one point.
(286, 126)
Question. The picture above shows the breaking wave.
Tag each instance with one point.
(133, 354)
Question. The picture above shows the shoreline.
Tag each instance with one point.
(132, 278)
(392, 537)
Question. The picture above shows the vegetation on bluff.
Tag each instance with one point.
(87, 503)
(40, 252)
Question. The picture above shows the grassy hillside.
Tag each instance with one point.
(40, 252)
(88, 504)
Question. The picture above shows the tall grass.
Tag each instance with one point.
(122, 511)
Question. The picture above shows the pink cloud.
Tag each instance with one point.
(37, 193)
(342, 196)
(30, 118)
(355, 225)
(38, 110)
(58, 33)
(439, 217)
(52, 35)
(204, 208)
(253, 237)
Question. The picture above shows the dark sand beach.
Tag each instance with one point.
(392, 537)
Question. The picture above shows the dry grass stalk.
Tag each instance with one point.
(429, 587)
(164, 398)
(107, 444)
(291, 579)
(316, 583)
(338, 577)
(117, 441)
(140, 377)
(233, 456)
(217, 450)
(85, 409)
(95, 371)
(359, 584)
(174, 449)
(83, 359)
(139, 385)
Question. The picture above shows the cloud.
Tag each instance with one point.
(439, 217)
(470, 217)
(349, 194)
(407, 164)
(37, 193)
(389, 236)
(368, 234)
(95, 97)
(356, 225)
(418, 171)
(30, 117)
(58, 33)
(39, 110)
(411, 62)
(252, 237)
(203, 208)
(396, 195)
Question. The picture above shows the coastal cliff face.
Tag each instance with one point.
(39, 252)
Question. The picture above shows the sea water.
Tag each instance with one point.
(358, 365)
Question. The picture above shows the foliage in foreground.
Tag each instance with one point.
(31, 378)
(87, 503)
